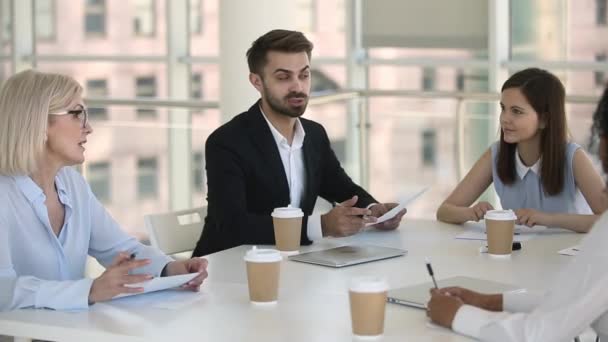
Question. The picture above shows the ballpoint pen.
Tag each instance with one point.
(430, 269)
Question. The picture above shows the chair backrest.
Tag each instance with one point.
(177, 231)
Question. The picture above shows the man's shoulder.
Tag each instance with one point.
(232, 130)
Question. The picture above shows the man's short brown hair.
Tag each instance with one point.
(276, 40)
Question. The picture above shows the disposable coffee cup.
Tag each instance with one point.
(263, 270)
(367, 305)
(287, 229)
(500, 226)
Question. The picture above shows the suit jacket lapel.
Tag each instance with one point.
(262, 138)
(310, 166)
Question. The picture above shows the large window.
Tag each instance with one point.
(147, 178)
(99, 180)
(145, 87)
(45, 19)
(144, 22)
(95, 18)
(97, 88)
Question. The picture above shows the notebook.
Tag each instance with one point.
(418, 295)
(348, 255)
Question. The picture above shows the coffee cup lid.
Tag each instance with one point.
(287, 212)
(500, 215)
(368, 284)
(262, 255)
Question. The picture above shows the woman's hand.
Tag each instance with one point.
(113, 281)
(193, 265)
(478, 211)
(532, 217)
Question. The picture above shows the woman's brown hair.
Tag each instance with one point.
(546, 94)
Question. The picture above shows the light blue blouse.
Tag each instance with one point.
(527, 191)
(39, 269)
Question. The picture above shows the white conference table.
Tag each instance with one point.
(313, 300)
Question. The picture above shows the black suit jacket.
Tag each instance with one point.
(246, 181)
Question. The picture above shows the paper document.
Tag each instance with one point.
(477, 231)
(570, 251)
(161, 283)
(402, 204)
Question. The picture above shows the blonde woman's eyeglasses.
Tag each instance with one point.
(79, 113)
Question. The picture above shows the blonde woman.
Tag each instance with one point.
(49, 218)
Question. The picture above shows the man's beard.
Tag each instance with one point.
(284, 109)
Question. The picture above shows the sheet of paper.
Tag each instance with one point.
(161, 283)
(167, 299)
(477, 231)
(402, 204)
(570, 251)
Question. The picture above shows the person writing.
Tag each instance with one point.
(49, 218)
(536, 171)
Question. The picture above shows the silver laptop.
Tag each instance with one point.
(348, 255)
(418, 295)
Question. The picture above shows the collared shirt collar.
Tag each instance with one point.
(34, 193)
(298, 138)
(522, 170)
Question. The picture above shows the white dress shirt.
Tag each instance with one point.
(42, 270)
(579, 298)
(292, 157)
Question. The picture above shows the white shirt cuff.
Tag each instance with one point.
(520, 301)
(470, 319)
(313, 228)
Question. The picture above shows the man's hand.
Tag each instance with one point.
(490, 302)
(380, 209)
(189, 266)
(442, 308)
(345, 219)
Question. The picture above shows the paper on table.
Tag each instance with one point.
(477, 231)
(161, 283)
(402, 204)
(570, 251)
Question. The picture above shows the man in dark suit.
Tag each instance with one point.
(269, 157)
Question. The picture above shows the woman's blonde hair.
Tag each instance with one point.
(26, 99)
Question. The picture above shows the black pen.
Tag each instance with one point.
(132, 256)
(430, 269)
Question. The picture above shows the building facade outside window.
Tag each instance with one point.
(196, 17)
(45, 19)
(601, 11)
(147, 177)
(99, 178)
(95, 18)
(97, 88)
(144, 21)
(145, 87)
(429, 147)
